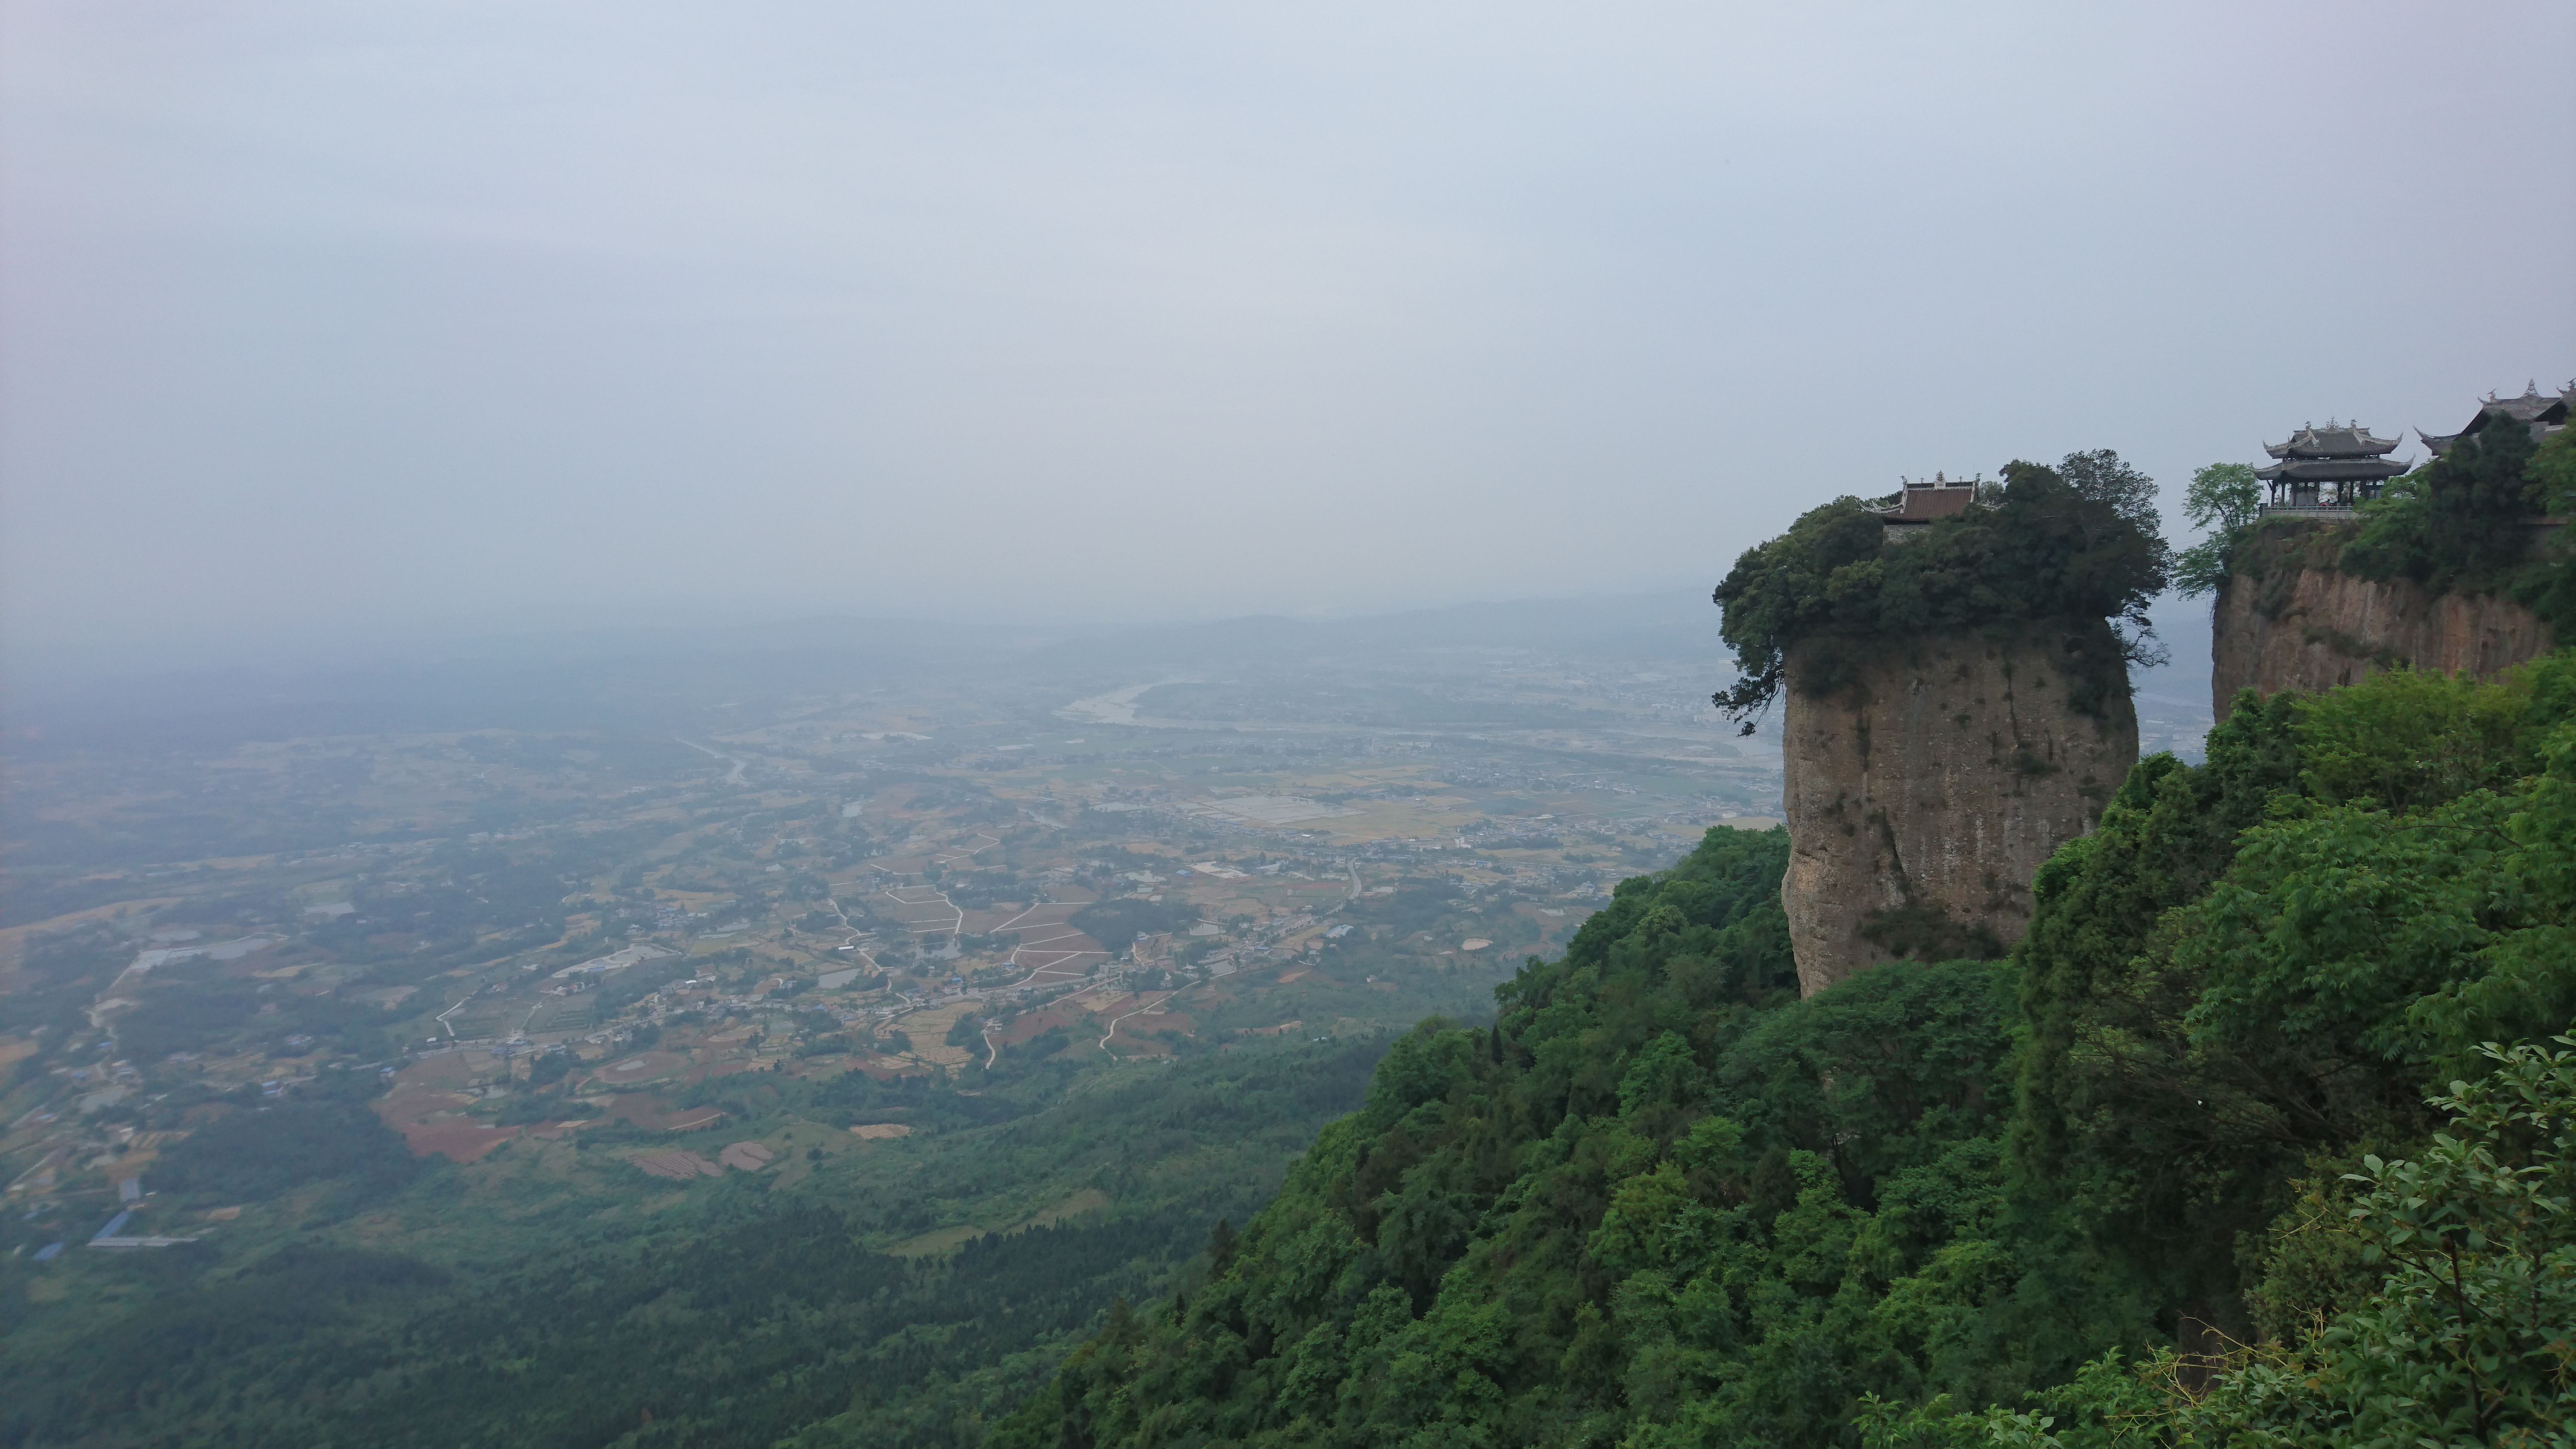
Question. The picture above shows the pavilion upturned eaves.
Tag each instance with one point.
(2335, 466)
(2542, 412)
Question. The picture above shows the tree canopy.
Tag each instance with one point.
(2224, 500)
(2064, 548)
(2222, 1155)
(2454, 524)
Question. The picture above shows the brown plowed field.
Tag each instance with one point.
(644, 1067)
(1061, 958)
(457, 1141)
(656, 1113)
(430, 1116)
(1037, 1023)
(928, 1029)
(679, 1165)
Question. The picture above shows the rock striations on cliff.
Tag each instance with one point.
(1923, 795)
(2288, 619)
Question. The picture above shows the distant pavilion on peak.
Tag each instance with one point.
(1921, 502)
(2543, 413)
(2328, 468)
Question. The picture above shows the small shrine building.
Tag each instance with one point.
(1921, 503)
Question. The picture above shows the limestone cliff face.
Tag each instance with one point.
(1924, 795)
(2295, 623)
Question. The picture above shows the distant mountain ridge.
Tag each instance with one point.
(630, 677)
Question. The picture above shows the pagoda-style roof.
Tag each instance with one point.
(2539, 411)
(1922, 502)
(2334, 440)
(1925, 504)
(2330, 470)
(2335, 453)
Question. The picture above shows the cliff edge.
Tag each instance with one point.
(2287, 619)
(1923, 795)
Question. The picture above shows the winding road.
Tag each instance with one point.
(732, 776)
(1154, 1005)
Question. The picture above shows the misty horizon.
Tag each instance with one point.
(993, 727)
(334, 329)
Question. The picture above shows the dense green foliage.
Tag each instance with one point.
(1658, 1197)
(2546, 584)
(2223, 501)
(2455, 523)
(2553, 473)
(256, 1153)
(2275, 956)
(737, 1311)
(755, 1324)
(1655, 1204)
(2057, 549)
(2458, 1272)
(1117, 922)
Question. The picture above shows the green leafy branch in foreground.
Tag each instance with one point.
(2470, 1338)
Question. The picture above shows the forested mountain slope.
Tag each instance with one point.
(1662, 1201)
(418, 1303)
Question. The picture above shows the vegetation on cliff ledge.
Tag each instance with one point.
(2457, 523)
(2460, 524)
(2072, 550)
(2221, 1155)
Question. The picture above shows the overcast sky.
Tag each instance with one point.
(327, 321)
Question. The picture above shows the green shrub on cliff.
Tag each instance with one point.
(2061, 549)
(2224, 500)
(1661, 1203)
(1659, 1198)
(2553, 473)
(2455, 524)
(2279, 953)
(2448, 1318)
(2547, 585)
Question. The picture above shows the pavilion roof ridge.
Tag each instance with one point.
(2334, 440)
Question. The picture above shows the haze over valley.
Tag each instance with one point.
(1321, 728)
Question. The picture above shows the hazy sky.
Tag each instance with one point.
(336, 320)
